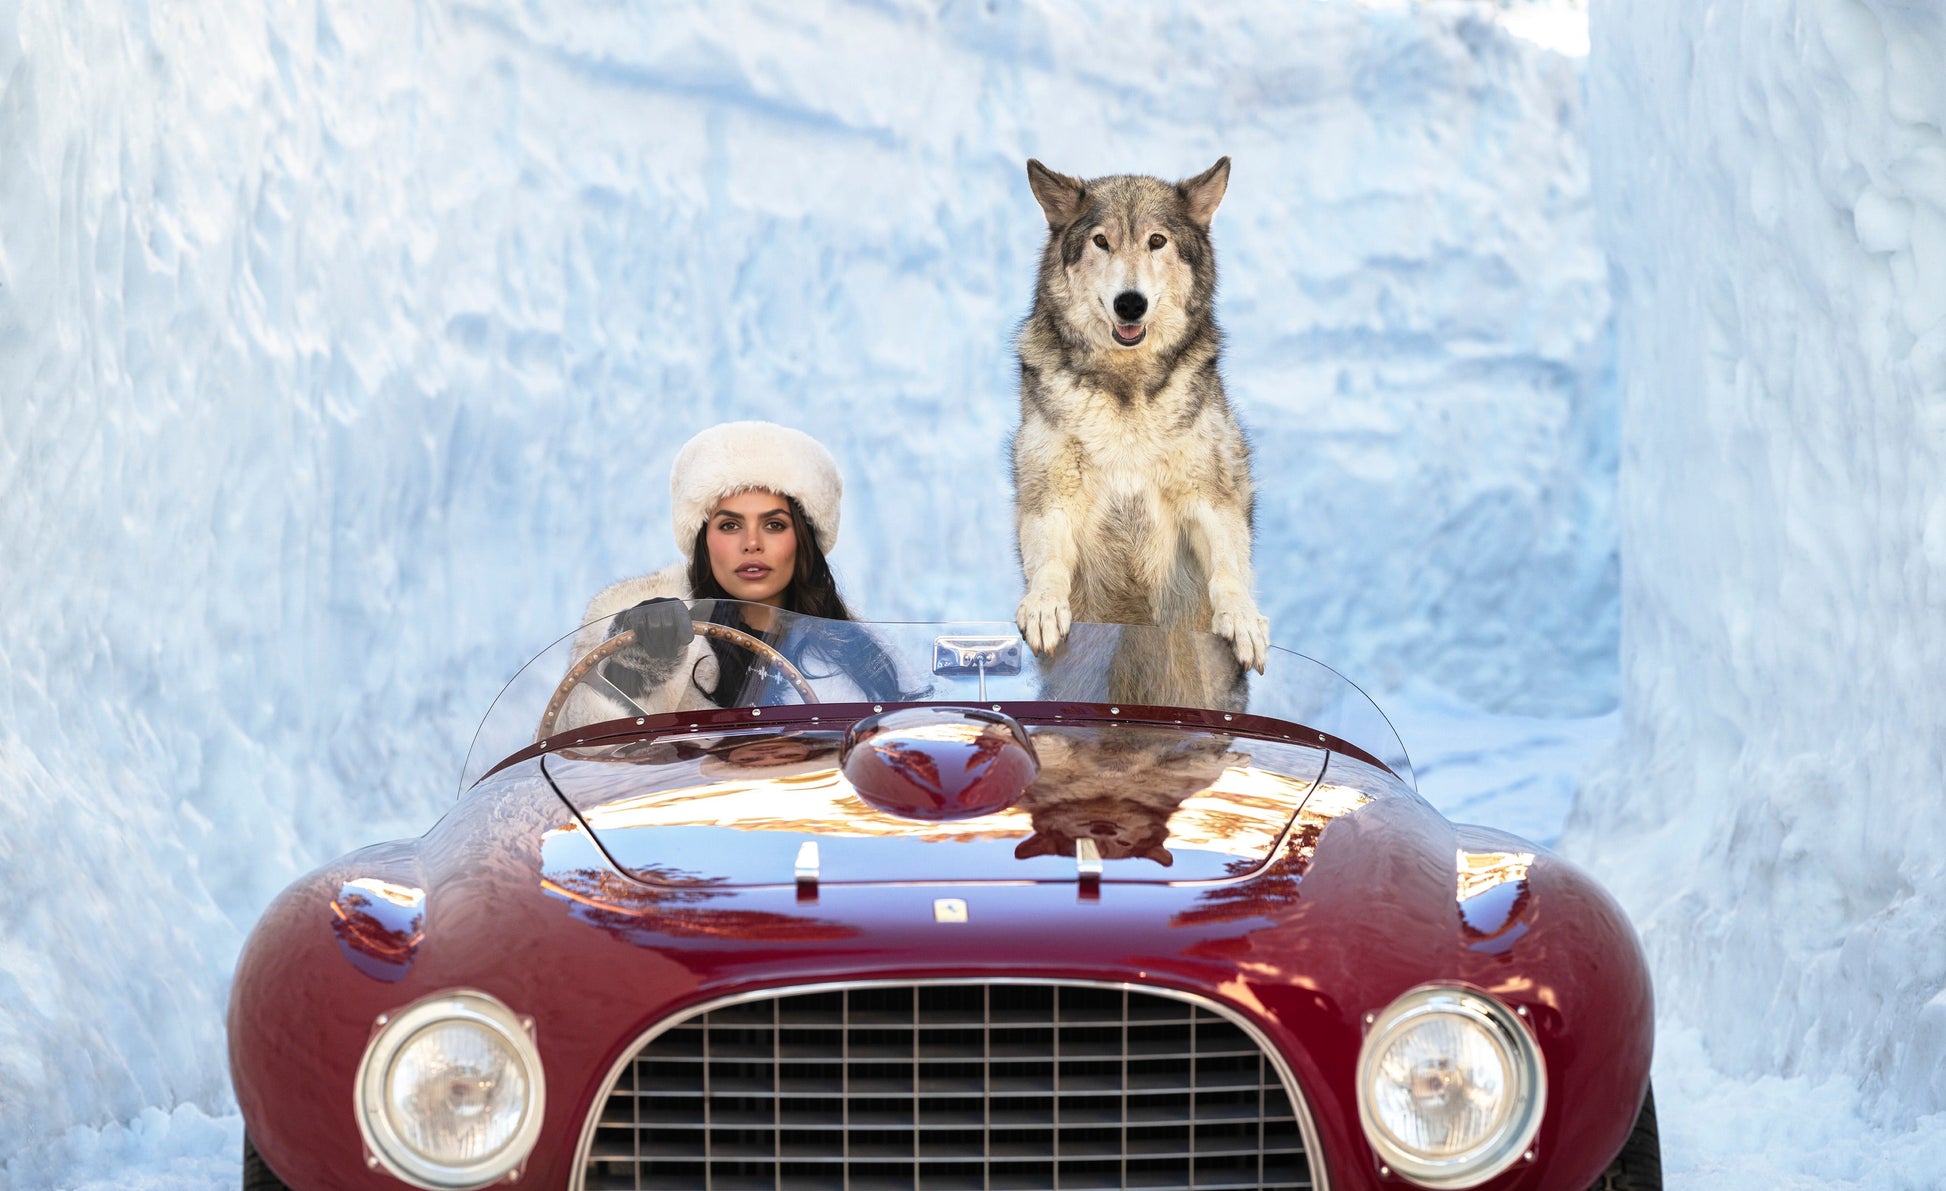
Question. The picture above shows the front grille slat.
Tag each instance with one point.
(952, 1086)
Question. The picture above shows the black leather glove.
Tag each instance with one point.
(662, 635)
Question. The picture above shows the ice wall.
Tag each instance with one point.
(1772, 185)
(343, 350)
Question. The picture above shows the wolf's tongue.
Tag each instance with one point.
(1128, 331)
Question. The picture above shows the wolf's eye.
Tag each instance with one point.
(1101, 241)
(1158, 240)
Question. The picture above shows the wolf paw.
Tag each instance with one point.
(1043, 618)
(1248, 632)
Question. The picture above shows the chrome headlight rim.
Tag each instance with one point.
(392, 1033)
(1529, 1092)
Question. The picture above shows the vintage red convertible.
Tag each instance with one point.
(1034, 926)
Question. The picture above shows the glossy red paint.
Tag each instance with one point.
(1160, 804)
(1356, 901)
(939, 763)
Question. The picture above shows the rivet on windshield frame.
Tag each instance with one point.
(371, 1160)
(640, 722)
(756, 711)
(1384, 1171)
(996, 707)
(1521, 1009)
(878, 707)
(1114, 711)
(1529, 1155)
(1320, 736)
(1226, 719)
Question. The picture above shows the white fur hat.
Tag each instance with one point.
(738, 456)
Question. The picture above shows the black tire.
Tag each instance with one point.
(1639, 1166)
(256, 1175)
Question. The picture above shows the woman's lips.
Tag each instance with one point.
(752, 572)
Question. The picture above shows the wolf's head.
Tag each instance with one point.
(1128, 267)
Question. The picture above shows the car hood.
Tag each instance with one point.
(1160, 804)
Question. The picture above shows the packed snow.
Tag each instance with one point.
(343, 351)
(1772, 185)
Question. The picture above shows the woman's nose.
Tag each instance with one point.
(753, 542)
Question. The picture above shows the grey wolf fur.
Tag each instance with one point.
(1132, 492)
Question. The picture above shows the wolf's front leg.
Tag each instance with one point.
(1238, 622)
(1047, 558)
(1220, 537)
(1044, 615)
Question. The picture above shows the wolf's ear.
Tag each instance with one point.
(1201, 194)
(1060, 196)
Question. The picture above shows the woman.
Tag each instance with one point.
(755, 506)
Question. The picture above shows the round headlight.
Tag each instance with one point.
(1450, 1087)
(450, 1092)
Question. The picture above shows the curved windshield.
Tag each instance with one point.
(592, 676)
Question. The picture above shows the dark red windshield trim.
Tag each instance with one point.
(842, 715)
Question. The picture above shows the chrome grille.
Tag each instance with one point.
(940, 1086)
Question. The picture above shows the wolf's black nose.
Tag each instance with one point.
(1130, 306)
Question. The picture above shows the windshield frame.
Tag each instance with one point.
(1345, 701)
(827, 715)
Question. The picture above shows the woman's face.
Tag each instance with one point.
(753, 546)
(763, 754)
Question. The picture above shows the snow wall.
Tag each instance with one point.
(1771, 178)
(343, 351)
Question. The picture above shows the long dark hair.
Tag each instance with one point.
(812, 591)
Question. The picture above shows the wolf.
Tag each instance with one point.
(1133, 502)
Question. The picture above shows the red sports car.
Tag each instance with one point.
(1044, 923)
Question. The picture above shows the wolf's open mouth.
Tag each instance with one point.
(1129, 334)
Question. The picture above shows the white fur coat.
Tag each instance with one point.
(682, 691)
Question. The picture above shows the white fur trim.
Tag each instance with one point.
(739, 456)
(680, 693)
(672, 581)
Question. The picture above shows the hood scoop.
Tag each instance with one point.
(939, 763)
(950, 795)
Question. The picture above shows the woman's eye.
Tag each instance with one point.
(1157, 241)
(778, 527)
(1101, 241)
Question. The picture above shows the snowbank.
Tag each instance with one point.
(343, 350)
(1772, 185)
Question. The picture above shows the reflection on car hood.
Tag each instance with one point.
(1159, 803)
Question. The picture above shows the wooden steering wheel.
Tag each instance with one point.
(622, 640)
